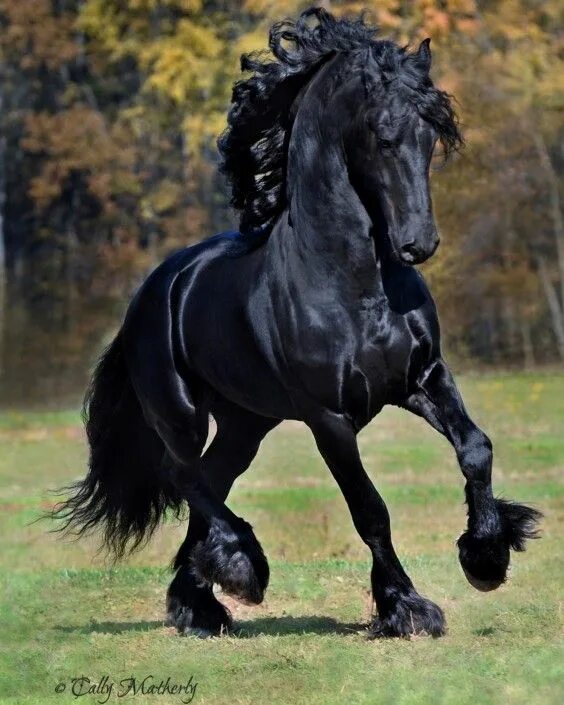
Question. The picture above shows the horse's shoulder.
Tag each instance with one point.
(164, 274)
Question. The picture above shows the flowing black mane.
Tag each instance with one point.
(255, 144)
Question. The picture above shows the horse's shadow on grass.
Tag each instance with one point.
(109, 627)
(284, 626)
(271, 626)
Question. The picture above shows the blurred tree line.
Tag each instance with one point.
(109, 111)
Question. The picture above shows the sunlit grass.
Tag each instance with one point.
(66, 611)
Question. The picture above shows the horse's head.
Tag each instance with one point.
(338, 103)
(390, 137)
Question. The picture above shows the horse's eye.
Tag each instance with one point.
(385, 144)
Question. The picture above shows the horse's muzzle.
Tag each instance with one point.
(414, 252)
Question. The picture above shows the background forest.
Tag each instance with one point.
(109, 112)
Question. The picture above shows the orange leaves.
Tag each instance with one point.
(36, 34)
(435, 22)
(77, 140)
(440, 19)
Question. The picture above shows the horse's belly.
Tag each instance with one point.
(232, 368)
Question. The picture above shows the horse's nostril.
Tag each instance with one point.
(409, 251)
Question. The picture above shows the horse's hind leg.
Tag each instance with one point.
(216, 550)
(494, 525)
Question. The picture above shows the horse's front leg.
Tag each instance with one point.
(401, 610)
(494, 525)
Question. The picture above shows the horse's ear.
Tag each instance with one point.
(422, 57)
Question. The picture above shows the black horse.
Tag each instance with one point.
(312, 312)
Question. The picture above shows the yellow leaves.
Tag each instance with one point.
(466, 7)
(183, 5)
(177, 74)
(202, 129)
(101, 21)
(165, 197)
(254, 40)
(282, 8)
(179, 53)
(180, 65)
(130, 28)
(531, 72)
(550, 87)
(197, 39)
(514, 21)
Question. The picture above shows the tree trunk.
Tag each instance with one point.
(528, 349)
(554, 306)
(71, 261)
(555, 206)
(3, 272)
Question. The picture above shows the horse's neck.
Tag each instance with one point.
(325, 230)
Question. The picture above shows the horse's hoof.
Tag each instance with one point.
(482, 585)
(410, 615)
(205, 618)
(233, 560)
(484, 560)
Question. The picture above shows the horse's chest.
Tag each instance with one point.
(352, 362)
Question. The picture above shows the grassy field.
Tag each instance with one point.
(65, 613)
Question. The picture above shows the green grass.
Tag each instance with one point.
(66, 612)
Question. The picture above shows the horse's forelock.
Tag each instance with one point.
(397, 66)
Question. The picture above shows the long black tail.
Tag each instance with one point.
(128, 488)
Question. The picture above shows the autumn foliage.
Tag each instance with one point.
(109, 113)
